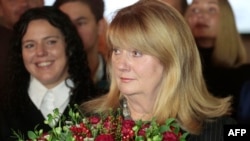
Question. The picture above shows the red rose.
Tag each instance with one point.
(108, 125)
(142, 131)
(94, 119)
(127, 131)
(104, 137)
(170, 136)
(128, 124)
(80, 131)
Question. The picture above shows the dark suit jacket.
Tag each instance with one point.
(102, 86)
(213, 131)
(26, 120)
(223, 81)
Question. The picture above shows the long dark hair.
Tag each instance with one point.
(18, 78)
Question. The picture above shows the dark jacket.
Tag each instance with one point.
(221, 81)
(25, 120)
(213, 131)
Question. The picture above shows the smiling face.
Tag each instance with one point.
(85, 22)
(135, 72)
(203, 18)
(43, 51)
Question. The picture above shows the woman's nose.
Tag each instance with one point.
(41, 50)
(123, 63)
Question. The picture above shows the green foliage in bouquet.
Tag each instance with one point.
(111, 127)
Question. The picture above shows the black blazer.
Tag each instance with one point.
(26, 120)
(213, 131)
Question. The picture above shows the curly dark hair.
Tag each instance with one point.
(18, 78)
(96, 6)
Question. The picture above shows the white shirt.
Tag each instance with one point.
(61, 93)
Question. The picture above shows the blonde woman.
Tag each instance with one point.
(155, 68)
(213, 25)
(223, 55)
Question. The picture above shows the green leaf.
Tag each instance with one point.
(58, 130)
(139, 138)
(32, 135)
(18, 135)
(170, 121)
(184, 136)
(157, 138)
(164, 128)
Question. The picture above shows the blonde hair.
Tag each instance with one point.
(159, 30)
(229, 50)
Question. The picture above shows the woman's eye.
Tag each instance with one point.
(212, 10)
(116, 51)
(195, 10)
(137, 53)
(28, 45)
(51, 42)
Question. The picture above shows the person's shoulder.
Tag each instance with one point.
(213, 130)
(218, 123)
(226, 120)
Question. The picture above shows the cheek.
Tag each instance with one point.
(80, 31)
(27, 60)
(26, 57)
(155, 68)
(215, 24)
(192, 21)
(59, 53)
(84, 31)
(62, 57)
(114, 64)
(86, 36)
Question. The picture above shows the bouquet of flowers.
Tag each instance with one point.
(111, 127)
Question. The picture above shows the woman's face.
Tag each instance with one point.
(135, 72)
(203, 18)
(43, 50)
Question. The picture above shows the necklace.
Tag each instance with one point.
(126, 112)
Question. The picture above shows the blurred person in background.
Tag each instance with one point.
(87, 16)
(222, 52)
(180, 5)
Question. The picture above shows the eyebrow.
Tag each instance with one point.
(52, 36)
(209, 2)
(45, 38)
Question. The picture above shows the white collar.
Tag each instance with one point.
(37, 92)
